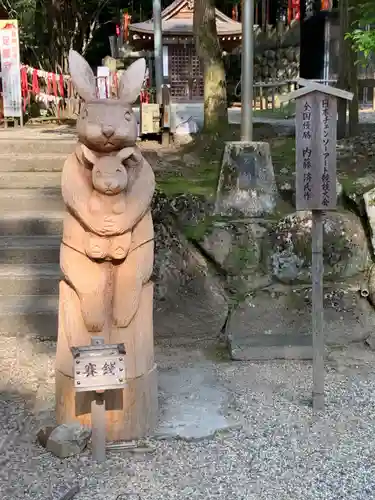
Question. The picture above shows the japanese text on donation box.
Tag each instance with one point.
(10, 68)
(316, 152)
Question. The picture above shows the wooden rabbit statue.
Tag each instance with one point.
(107, 253)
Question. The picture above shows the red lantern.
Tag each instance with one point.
(127, 19)
(35, 82)
(294, 10)
(235, 12)
(326, 5)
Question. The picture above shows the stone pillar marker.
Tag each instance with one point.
(316, 136)
(247, 182)
(106, 259)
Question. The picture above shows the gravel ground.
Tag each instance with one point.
(281, 452)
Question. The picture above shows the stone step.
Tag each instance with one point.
(31, 200)
(34, 146)
(26, 162)
(29, 180)
(29, 315)
(29, 249)
(33, 223)
(34, 279)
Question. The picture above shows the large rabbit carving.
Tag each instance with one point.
(103, 292)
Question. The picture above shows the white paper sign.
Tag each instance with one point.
(10, 69)
(103, 82)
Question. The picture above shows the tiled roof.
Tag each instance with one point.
(170, 25)
(184, 27)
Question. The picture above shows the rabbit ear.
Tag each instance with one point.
(82, 76)
(131, 81)
(125, 153)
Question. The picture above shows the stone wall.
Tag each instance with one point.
(277, 65)
(248, 279)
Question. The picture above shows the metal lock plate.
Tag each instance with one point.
(99, 367)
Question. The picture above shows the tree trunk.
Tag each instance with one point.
(344, 63)
(348, 74)
(353, 81)
(209, 52)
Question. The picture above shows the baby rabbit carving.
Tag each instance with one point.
(110, 179)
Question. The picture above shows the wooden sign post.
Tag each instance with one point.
(316, 134)
(98, 368)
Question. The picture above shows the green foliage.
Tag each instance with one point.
(362, 38)
(363, 42)
(49, 28)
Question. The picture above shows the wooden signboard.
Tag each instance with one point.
(316, 124)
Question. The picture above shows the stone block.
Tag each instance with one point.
(43, 435)
(68, 440)
(247, 184)
(275, 323)
(190, 300)
(345, 247)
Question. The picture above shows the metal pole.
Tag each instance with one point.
(98, 427)
(98, 422)
(158, 49)
(247, 66)
(317, 310)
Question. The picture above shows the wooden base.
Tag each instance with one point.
(131, 413)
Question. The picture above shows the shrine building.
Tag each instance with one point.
(181, 66)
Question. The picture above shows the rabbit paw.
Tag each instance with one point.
(97, 248)
(93, 312)
(120, 246)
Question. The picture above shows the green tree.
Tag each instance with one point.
(348, 71)
(362, 32)
(50, 28)
(209, 51)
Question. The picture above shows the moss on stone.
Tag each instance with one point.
(200, 230)
(243, 257)
(199, 180)
(217, 352)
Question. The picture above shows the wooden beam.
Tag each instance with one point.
(311, 86)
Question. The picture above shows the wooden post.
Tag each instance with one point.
(316, 135)
(317, 272)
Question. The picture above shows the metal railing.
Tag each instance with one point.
(266, 95)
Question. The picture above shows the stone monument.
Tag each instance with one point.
(107, 254)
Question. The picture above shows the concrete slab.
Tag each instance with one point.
(31, 222)
(29, 249)
(29, 279)
(38, 201)
(30, 180)
(26, 162)
(194, 405)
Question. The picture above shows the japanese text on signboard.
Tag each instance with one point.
(316, 152)
(306, 151)
(10, 68)
(106, 368)
(326, 180)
